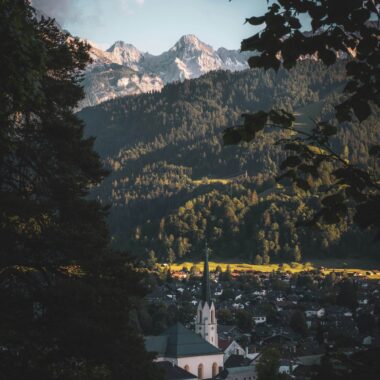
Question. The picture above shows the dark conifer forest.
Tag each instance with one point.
(174, 185)
(65, 296)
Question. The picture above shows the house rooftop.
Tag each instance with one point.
(235, 361)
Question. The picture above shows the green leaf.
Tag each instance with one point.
(255, 20)
(231, 137)
(309, 169)
(291, 162)
(351, 86)
(333, 200)
(255, 62)
(294, 23)
(288, 174)
(362, 109)
(294, 146)
(328, 57)
(282, 118)
(343, 112)
(330, 216)
(317, 150)
(251, 44)
(375, 151)
(367, 214)
(256, 120)
(328, 129)
(302, 184)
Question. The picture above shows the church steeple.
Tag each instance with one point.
(206, 289)
(206, 324)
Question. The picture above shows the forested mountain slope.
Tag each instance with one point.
(174, 186)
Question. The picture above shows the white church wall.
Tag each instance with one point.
(207, 361)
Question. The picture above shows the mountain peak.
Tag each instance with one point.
(190, 41)
(188, 58)
(121, 45)
(125, 54)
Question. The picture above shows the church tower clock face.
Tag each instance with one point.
(206, 323)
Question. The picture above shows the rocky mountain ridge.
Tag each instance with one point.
(124, 70)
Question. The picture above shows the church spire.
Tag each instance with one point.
(206, 324)
(206, 289)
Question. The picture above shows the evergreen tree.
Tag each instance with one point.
(347, 295)
(66, 299)
(267, 367)
(298, 322)
(244, 320)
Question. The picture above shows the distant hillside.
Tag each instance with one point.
(174, 186)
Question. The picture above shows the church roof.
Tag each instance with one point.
(173, 372)
(178, 341)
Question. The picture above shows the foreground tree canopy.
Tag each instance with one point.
(348, 27)
(65, 298)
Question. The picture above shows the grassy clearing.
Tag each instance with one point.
(328, 267)
(208, 181)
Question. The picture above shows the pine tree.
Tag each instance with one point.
(65, 298)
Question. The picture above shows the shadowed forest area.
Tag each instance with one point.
(174, 186)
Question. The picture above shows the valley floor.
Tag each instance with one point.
(355, 267)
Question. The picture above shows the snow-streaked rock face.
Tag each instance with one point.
(233, 60)
(112, 81)
(125, 54)
(124, 70)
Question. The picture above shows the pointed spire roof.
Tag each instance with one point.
(206, 289)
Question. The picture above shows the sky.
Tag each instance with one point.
(155, 25)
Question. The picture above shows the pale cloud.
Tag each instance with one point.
(127, 5)
(76, 11)
(60, 10)
(69, 11)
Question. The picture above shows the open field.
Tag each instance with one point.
(362, 268)
(210, 181)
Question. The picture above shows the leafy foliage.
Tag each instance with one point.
(269, 364)
(338, 28)
(362, 364)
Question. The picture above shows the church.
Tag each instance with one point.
(195, 352)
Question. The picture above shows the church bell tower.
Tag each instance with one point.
(206, 324)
